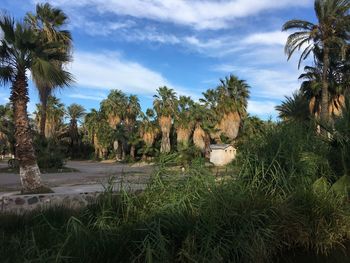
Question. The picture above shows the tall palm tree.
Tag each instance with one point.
(48, 22)
(204, 124)
(330, 33)
(93, 121)
(75, 113)
(55, 112)
(233, 95)
(21, 50)
(184, 121)
(133, 109)
(132, 112)
(114, 107)
(148, 131)
(165, 105)
(311, 88)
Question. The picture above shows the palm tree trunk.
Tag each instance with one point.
(207, 146)
(183, 137)
(324, 99)
(165, 125)
(132, 152)
(29, 170)
(165, 146)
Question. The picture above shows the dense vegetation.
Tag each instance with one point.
(285, 204)
(284, 199)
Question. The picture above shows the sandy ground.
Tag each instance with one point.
(91, 177)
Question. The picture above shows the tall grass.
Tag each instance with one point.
(271, 211)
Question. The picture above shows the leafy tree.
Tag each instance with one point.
(47, 22)
(165, 105)
(331, 32)
(21, 49)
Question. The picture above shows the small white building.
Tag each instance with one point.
(222, 154)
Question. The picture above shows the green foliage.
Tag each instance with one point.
(296, 148)
(49, 153)
(184, 219)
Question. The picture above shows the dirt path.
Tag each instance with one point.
(90, 173)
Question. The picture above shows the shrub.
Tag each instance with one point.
(49, 154)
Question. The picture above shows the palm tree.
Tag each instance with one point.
(210, 102)
(55, 112)
(21, 50)
(311, 88)
(184, 121)
(114, 107)
(204, 124)
(133, 109)
(330, 34)
(165, 105)
(48, 22)
(95, 124)
(75, 113)
(295, 108)
(148, 131)
(232, 96)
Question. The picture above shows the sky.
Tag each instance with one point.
(188, 45)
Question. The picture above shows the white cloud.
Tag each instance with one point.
(266, 108)
(151, 35)
(108, 70)
(86, 97)
(267, 38)
(200, 14)
(105, 29)
(265, 83)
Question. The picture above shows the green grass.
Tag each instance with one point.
(281, 201)
(186, 219)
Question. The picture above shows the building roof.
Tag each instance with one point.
(220, 146)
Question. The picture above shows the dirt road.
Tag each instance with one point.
(90, 173)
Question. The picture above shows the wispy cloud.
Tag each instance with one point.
(266, 38)
(86, 97)
(109, 70)
(266, 83)
(199, 14)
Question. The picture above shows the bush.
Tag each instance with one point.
(49, 154)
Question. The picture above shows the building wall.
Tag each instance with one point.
(221, 157)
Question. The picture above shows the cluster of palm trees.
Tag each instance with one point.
(39, 46)
(326, 83)
(56, 127)
(120, 124)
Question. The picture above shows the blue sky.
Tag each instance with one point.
(188, 45)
